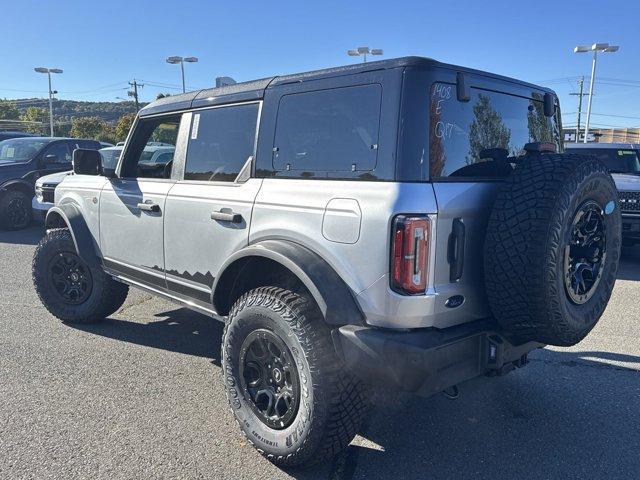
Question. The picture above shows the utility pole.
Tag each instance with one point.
(579, 95)
(134, 93)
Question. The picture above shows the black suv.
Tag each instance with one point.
(22, 162)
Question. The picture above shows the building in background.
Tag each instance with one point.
(605, 135)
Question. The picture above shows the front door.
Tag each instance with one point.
(208, 211)
(132, 206)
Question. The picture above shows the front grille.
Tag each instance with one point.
(48, 192)
(629, 202)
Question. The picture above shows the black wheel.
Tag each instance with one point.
(15, 210)
(288, 391)
(69, 288)
(552, 248)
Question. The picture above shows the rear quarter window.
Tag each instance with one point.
(465, 138)
(323, 133)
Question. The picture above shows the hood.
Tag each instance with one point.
(626, 182)
(54, 178)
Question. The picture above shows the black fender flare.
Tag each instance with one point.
(18, 183)
(332, 295)
(82, 238)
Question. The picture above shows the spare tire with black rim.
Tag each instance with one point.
(552, 248)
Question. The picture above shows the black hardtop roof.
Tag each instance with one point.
(254, 90)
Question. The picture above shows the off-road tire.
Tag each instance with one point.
(528, 230)
(107, 295)
(5, 202)
(333, 403)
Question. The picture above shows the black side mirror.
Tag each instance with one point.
(87, 162)
(51, 158)
(549, 105)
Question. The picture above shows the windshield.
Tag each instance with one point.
(616, 160)
(110, 157)
(20, 149)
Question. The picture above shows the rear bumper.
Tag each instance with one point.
(631, 226)
(428, 361)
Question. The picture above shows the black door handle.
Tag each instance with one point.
(226, 217)
(149, 207)
(455, 253)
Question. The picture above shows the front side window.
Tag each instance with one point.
(58, 153)
(152, 135)
(221, 141)
(481, 137)
(328, 131)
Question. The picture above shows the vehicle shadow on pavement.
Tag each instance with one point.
(566, 415)
(630, 264)
(29, 236)
(563, 415)
(180, 330)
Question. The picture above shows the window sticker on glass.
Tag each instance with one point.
(195, 126)
(10, 152)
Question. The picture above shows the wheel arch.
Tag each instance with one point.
(20, 185)
(69, 216)
(245, 269)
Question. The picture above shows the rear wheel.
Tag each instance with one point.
(15, 210)
(70, 289)
(289, 392)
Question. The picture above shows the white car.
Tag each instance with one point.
(45, 188)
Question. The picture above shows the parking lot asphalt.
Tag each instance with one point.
(140, 396)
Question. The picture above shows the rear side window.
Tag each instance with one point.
(478, 138)
(220, 142)
(328, 131)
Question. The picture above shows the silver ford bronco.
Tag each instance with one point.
(404, 221)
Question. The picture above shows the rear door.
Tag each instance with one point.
(132, 206)
(208, 211)
(472, 146)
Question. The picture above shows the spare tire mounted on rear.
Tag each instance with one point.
(552, 248)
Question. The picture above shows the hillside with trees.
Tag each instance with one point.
(105, 121)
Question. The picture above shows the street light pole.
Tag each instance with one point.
(591, 83)
(182, 69)
(181, 60)
(50, 104)
(49, 71)
(364, 51)
(595, 48)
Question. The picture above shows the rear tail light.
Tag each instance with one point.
(410, 254)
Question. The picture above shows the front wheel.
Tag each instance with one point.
(288, 390)
(70, 289)
(15, 210)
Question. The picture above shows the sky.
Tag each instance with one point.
(103, 45)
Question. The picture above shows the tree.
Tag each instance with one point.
(8, 110)
(88, 127)
(123, 126)
(487, 130)
(38, 119)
